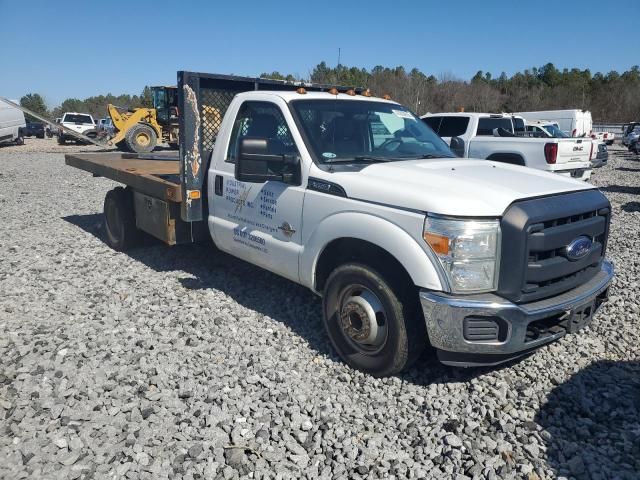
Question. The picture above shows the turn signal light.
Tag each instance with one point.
(439, 243)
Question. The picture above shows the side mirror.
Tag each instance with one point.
(457, 146)
(256, 165)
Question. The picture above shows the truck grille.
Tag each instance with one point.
(536, 233)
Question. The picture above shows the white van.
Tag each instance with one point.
(575, 123)
(11, 121)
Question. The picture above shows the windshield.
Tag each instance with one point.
(554, 131)
(76, 118)
(353, 130)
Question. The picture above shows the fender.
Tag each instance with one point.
(389, 236)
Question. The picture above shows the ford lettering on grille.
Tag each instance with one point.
(579, 247)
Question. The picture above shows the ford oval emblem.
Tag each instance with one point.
(578, 248)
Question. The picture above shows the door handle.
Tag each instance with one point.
(287, 229)
(218, 185)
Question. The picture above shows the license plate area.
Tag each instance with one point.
(577, 173)
(580, 317)
(569, 321)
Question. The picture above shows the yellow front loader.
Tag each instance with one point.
(140, 129)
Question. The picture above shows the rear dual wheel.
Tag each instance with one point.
(373, 320)
(121, 232)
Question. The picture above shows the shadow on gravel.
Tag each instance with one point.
(594, 423)
(631, 207)
(627, 169)
(621, 189)
(265, 293)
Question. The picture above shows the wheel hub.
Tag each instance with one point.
(362, 319)
(142, 139)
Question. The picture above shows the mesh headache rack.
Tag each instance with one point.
(203, 100)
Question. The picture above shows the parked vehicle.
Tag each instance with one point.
(106, 125)
(492, 137)
(82, 123)
(11, 122)
(575, 123)
(51, 130)
(632, 137)
(599, 154)
(629, 132)
(357, 199)
(606, 137)
(545, 129)
(33, 129)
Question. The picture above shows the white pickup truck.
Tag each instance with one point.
(355, 198)
(82, 123)
(492, 137)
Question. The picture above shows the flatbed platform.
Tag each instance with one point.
(157, 175)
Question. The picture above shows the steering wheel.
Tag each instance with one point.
(389, 141)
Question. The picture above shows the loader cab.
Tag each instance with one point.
(165, 101)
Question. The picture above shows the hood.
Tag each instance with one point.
(464, 187)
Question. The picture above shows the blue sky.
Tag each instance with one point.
(76, 49)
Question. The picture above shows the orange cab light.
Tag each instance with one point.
(193, 194)
(386, 96)
(439, 243)
(333, 91)
(351, 92)
(366, 93)
(301, 91)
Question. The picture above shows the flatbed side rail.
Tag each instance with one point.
(203, 100)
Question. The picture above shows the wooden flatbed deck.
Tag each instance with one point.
(156, 175)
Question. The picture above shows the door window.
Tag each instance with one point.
(261, 120)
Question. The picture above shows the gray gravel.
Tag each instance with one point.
(186, 363)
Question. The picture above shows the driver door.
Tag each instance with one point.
(259, 222)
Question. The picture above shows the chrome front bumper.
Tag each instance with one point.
(520, 329)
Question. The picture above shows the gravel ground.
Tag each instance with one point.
(186, 363)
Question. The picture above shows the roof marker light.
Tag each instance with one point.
(333, 91)
(301, 91)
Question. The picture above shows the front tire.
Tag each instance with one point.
(120, 223)
(372, 321)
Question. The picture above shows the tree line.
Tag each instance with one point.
(611, 97)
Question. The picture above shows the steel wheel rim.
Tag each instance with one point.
(362, 319)
(143, 139)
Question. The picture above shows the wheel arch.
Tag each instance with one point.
(512, 158)
(393, 246)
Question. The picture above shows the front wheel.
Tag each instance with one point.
(141, 138)
(372, 322)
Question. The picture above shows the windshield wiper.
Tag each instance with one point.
(358, 159)
(431, 155)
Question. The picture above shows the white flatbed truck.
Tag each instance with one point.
(356, 198)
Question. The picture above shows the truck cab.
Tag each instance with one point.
(354, 197)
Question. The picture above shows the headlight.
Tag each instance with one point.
(468, 251)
